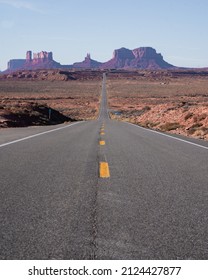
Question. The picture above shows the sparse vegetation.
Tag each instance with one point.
(170, 126)
(156, 99)
(177, 102)
(202, 117)
(194, 128)
(77, 100)
(188, 116)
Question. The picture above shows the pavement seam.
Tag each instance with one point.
(101, 157)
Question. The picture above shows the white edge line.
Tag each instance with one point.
(169, 136)
(35, 135)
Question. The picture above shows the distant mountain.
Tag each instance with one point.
(87, 63)
(41, 60)
(140, 58)
(15, 64)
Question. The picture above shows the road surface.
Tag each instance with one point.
(102, 190)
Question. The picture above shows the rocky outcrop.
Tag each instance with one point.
(52, 75)
(41, 60)
(15, 64)
(148, 58)
(88, 63)
(121, 59)
(28, 114)
(140, 58)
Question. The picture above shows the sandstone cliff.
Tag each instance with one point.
(140, 58)
(41, 60)
(15, 64)
(88, 63)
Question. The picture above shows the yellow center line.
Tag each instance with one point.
(102, 142)
(104, 170)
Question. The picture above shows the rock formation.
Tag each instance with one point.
(15, 64)
(88, 63)
(140, 58)
(41, 60)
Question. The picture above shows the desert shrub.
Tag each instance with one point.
(170, 126)
(205, 130)
(150, 124)
(202, 117)
(188, 116)
(146, 108)
(194, 128)
(196, 125)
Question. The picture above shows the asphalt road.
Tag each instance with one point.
(152, 202)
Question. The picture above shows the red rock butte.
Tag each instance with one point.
(41, 60)
(123, 58)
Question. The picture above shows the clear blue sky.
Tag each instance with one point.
(178, 29)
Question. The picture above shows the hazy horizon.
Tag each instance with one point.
(71, 29)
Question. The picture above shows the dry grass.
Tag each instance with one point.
(156, 91)
(78, 100)
(174, 104)
(170, 126)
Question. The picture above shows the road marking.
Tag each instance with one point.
(104, 170)
(35, 135)
(102, 143)
(169, 136)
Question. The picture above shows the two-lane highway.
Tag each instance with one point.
(151, 203)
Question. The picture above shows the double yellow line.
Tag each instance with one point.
(104, 167)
